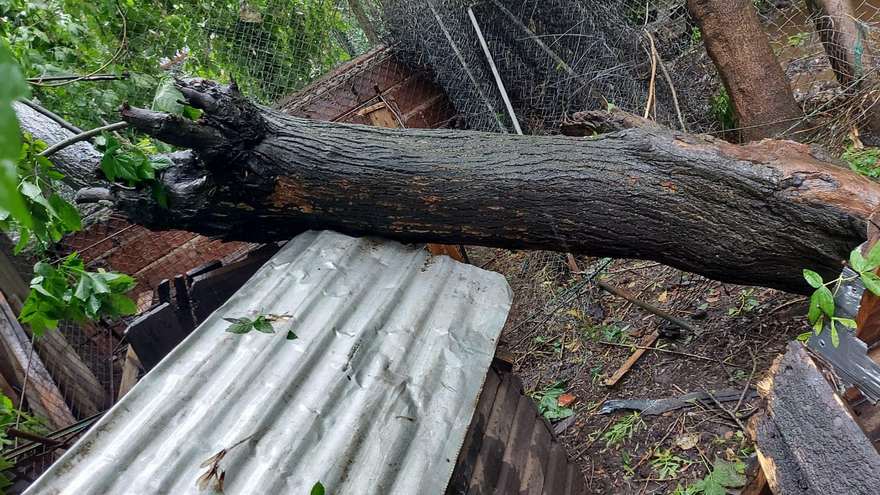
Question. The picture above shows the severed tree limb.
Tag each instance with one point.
(755, 214)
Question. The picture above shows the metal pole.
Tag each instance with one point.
(498, 80)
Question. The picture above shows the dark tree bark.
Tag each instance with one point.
(754, 214)
(757, 86)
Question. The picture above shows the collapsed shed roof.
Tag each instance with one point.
(374, 396)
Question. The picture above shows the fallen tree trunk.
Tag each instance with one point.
(754, 214)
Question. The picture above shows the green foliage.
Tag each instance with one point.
(132, 165)
(52, 216)
(607, 333)
(623, 430)
(822, 307)
(13, 87)
(696, 35)
(798, 40)
(724, 475)
(318, 489)
(10, 417)
(260, 323)
(863, 161)
(722, 109)
(746, 304)
(66, 291)
(666, 464)
(548, 402)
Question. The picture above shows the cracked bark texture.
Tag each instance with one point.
(755, 214)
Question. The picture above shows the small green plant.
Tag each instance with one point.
(608, 333)
(822, 305)
(317, 489)
(696, 35)
(746, 304)
(666, 464)
(623, 430)
(626, 463)
(548, 402)
(723, 477)
(863, 161)
(722, 109)
(260, 323)
(798, 40)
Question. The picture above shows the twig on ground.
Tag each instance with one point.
(669, 351)
(727, 411)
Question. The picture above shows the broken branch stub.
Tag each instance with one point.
(755, 214)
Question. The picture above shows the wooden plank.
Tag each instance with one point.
(807, 441)
(155, 333)
(517, 449)
(42, 394)
(539, 454)
(488, 465)
(646, 342)
(473, 442)
(130, 372)
(556, 479)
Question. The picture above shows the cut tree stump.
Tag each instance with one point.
(755, 214)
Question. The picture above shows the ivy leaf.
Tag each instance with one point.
(813, 278)
(825, 299)
(871, 281)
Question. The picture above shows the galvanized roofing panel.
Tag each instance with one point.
(375, 396)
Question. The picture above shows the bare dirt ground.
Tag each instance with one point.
(560, 332)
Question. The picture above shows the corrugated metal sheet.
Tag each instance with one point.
(375, 396)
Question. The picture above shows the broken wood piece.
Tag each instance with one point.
(647, 307)
(653, 407)
(806, 439)
(645, 343)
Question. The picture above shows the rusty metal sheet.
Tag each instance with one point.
(374, 396)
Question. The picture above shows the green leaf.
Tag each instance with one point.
(813, 278)
(121, 305)
(99, 286)
(817, 326)
(160, 194)
(856, 261)
(825, 300)
(24, 235)
(191, 113)
(318, 489)
(291, 335)
(847, 322)
(66, 212)
(168, 98)
(261, 324)
(835, 338)
(239, 325)
(84, 289)
(871, 281)
(12, 87)
(814, 312)
(873, 257)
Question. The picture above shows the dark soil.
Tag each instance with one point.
(555, 333)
